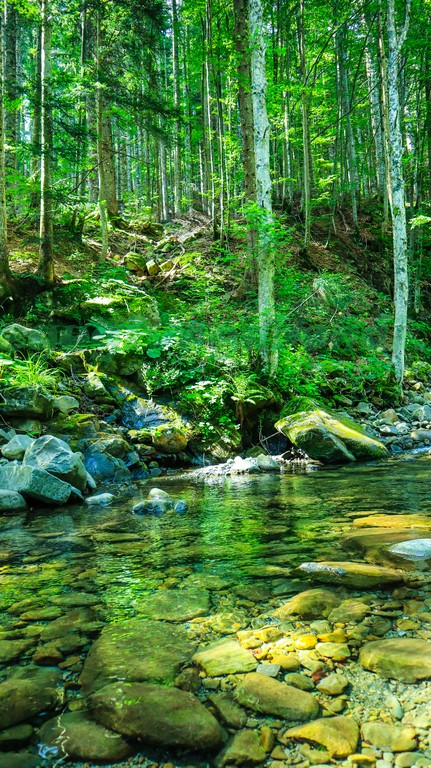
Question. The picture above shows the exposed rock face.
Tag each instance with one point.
(158, 715)
(22, 697)
(358, 575)
(263, 694)
(138, 650)
(24, 339)
(79, 737)
(339, 735)
(56, 457)
(328, 437)
(401, 658)
(35, 484)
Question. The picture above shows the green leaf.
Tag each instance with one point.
(154, 353)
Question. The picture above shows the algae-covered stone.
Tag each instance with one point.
(225, 657)
(389, 737)
(138, 650)
(333, 685)
(77, 736)
(269, 696)
(65, 403)
(28, 403)
(228, 710)
(335, 651)
(169, 438)
(175, 604)
(339, 735)
(349, 574)
(244, 748)
(310, 604)
(25, 339)
(393, 521)
(166, 717)
(13, 649)
(24, 695)
(353, 610)
(80, 425)
(401, 658)
(328, 437)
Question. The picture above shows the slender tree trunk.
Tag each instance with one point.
(376, 122)
(101, 149)
(46, 263)
(176, 87)
(305, 107)
(10, 85)
(36, 139)
(384, 109)
(265, 260)
(5, 274)
(346, 109)
(398, 204)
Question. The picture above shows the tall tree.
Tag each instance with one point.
(46, 264)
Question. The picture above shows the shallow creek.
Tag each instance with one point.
(80, 568)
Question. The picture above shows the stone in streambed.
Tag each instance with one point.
(352, 610)
(357, 575)
(166, 717)
(393, 521)
(11, 501)
(413, 550)
(244, 748)
(16, 736)
(225, 657)
(19, 760)
(28, 693)
(333, 685)
(138, 650)
(388, 737)
(77, 736)
(339, 735)
(404, 658)
(268, 696)
(13, 649)
(36, 484)
(227, 710)
(175, 604)
(311, 604)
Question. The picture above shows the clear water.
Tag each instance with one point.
(249, 530)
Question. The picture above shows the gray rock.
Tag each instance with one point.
(244, 748)
(104, 468)
(16, 448)
(102, 499)
(56, 457)
(415, 549)
(267, 463)
(25, 339)
(11, 501)
(35, 484)
(65, 404)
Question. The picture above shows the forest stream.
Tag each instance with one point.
(218, 572)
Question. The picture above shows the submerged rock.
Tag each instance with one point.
(77, 736)
(401, 658)
(328, 437)
(166, 717)
(310, 604)
(339, 735)
(138, 650)
(358, 575)
(244, 748)
(271, 697)
(393, 521)
(28, 693)
(175, 604)
(225, 657)
(393, 738)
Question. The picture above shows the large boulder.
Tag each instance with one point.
(26, 403)
(27, 693)
(328, 437)
(75, 735)
(36, 484)
(105, 468)
(138, 650)
(54, 456)
(169, 438)
(25, 339)
(154, 714)
(16, 447)
(11, 501)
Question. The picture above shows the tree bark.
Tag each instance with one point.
(46, 263)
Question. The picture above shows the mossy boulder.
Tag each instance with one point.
(169, 438)
(80, 426)
(75, 735)
(24, 339)
(329, 437)
(26, 402)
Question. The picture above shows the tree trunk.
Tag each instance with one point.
(176, 133)
(5, 275)
(10, 85)
(305, 107)
(398, 205)
(346, 110)
(46, 263)
(265, 259)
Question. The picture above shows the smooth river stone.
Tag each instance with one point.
(357, 575)
(77, 736)
(271, 697)
(417, 549)
(339, 735)
(175, 604)
(138, 650)
(12, 649)
(311, 604)
(225, 657)
(158, 715)
(372, 539)
(401, 658)
(244, 748)
(388, 737)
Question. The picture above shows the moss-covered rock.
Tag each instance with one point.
(77, 736)
(329, 437)
(169, 438)
(24, 339)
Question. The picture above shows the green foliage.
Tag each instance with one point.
(34, 371)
